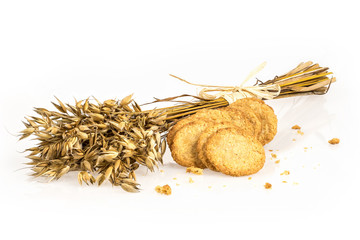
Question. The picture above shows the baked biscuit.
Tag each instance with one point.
(233, 153)
(183, 149)
(200, 146)
(246, 119)
(265, 114)
(176, 127)
(211, 114)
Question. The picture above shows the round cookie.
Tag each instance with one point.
(211, 114)
(213, 127)
(176, 127)
(233, 153)
(183, 148)
(265, 114)
(246, 120)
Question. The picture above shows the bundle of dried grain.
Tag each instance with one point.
(110, 140)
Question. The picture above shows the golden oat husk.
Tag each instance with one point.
(108, 141)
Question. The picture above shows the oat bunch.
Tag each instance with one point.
(103, 141)
(108, 141)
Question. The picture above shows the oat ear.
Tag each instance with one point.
(107, 139)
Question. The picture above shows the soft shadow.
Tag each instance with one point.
(309, 112)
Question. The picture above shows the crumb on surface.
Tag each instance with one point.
(295, 183)
(294, 139)
(191, 180)
(273, 155)
(209, 187)
(334, 141)
(267, 185)
(177, 184)
(161, 170)
(305, 148)
(297, 127)
(286, 172)
(194, 170)
(174, 178)
(166, 189)
(277, 161)
(284, 181)
(300, 132)
(270, 150)
(249, 178)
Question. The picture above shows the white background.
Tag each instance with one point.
(109, 49)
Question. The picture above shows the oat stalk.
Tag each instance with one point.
(305, 79)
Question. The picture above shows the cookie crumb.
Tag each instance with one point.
(161, 171)
(334, 141)
(295, 183)
(300, 132)
(277, 161)
(249, 178)
(191, 180)
(166, 189)
(297, 127)
(273, 155)
(174, 178)
(194, 170)
(284, 181)
(294, 139)
(209, 187)
(177, 184)
(267, 185)
(286, 172)
(270, 150)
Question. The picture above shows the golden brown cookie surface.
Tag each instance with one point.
(176, 127)
(200, 146)
(183, 149)
(232, 153)
(210, 114)
(246, 119)
(265, 114)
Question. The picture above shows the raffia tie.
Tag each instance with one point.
(233, 93)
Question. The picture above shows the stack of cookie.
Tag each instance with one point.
(229, 140)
